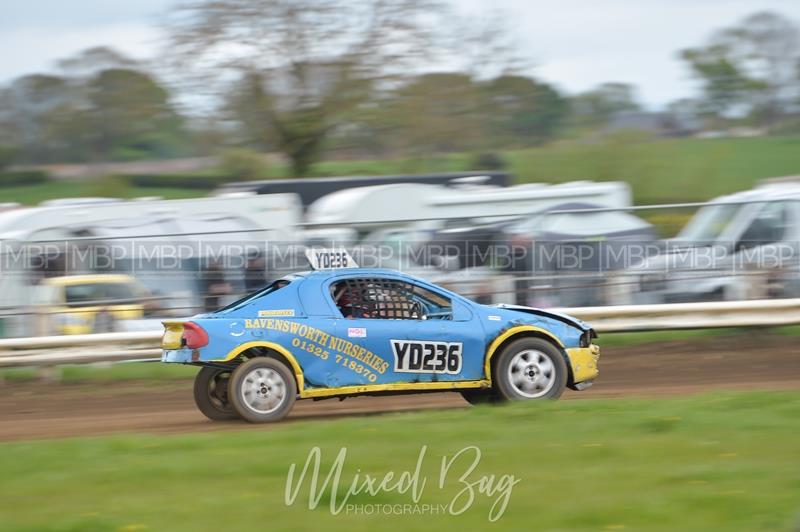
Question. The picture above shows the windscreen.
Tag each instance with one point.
(96, 293)
(709, 223)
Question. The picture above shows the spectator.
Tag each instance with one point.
(214, 286)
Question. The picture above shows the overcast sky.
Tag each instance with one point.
(575, 44)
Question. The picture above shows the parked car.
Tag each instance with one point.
(561, 255)
(84, 304)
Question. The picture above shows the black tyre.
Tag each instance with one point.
(263, 390)
(211, 394)
(530, 368)
(480, 397)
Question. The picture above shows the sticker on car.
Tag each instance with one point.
(357, 332)
(422, 356)
(275, 312)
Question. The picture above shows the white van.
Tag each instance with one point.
(740, 246)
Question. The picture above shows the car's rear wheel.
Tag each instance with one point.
(263, 390)
(530, 368)
(211, 394)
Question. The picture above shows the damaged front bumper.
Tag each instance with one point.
(583, 362)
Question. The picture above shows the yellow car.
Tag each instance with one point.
(84, 304)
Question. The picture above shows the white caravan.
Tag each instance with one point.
(367, 209)
(385, 221)
(163, 242)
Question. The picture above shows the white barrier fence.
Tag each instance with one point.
(114, 347)
(677, 316)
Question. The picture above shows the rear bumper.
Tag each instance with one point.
(583, 361)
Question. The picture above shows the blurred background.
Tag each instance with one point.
(634, 163)
(163, 158)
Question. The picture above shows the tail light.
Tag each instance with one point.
(173, 335)
(194, 336)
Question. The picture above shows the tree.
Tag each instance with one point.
(95, 111)
(725, 86)
(89, 62)
(131, 116)
(436, 112)
(452, 111)
(298, 132)
(30, 105)
(483, 46)
(518, 110)
(302, 65)
(599, 105)
(750, 67)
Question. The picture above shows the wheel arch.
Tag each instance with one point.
(515, 333)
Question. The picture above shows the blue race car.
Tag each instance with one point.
(350, 331)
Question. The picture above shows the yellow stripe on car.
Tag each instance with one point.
(487, 367)
(395, 387)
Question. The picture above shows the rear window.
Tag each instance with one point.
(246, 300)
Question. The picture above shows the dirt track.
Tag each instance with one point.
(41, 410)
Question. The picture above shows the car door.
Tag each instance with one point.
(766, 245)
(416, 332)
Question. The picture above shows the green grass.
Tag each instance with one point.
(128, 371)
(652, 337)
(67, 188)
(715, 462)
(665, 170)
(692, 335)
(659, 170)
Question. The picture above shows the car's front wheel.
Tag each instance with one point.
(263, 390)
(530, 368)
(211, 394)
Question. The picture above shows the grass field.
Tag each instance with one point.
(664, 170)
(34, 194)
(659, 171)
(714, 462)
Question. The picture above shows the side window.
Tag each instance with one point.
(377, 298)
(768, 226)
(434, 306)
